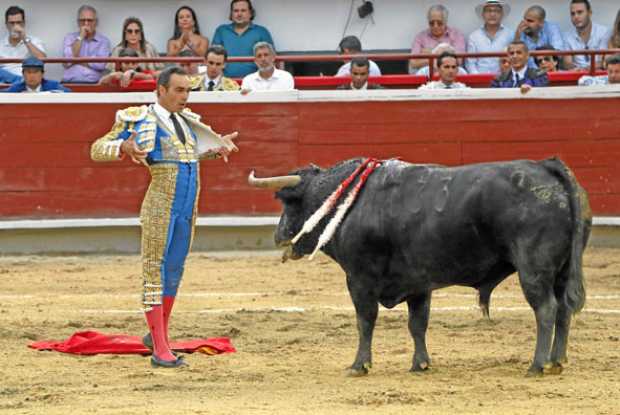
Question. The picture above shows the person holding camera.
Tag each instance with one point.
(17, 44)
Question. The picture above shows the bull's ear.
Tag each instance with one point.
(315, 167)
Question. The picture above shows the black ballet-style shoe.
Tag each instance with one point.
(157, 362)
(147, 341)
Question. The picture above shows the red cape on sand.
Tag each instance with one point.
(93, 342)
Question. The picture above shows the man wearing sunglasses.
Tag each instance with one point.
(85, 43)
(438, 32)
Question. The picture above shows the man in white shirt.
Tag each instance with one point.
(448, 68)
(18, 44)
(351, 45)
(612, 77)
(493, 36)
(584, 34)
(268, 77)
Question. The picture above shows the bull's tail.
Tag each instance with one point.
(581, 216)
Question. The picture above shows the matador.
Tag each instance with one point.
(170, 140)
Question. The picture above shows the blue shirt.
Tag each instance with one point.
(240, 45)
(46, 86)
(480, 41)
(598, 40)
(550, 34)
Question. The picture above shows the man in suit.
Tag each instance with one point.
(520, 75)
(360, 70)
(169, 140)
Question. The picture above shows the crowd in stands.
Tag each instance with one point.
(242, 37)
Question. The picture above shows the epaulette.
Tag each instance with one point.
(191, 115)
(132, 114)
(195, 81)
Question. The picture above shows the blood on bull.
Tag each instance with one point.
(403, 230)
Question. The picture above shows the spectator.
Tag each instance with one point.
(549, 63)
(214, 79)
(614, 40)
(438, 33)
(535, 31)
(17, 44)
(268, 77)
(239, 37)
(85, 43)
(612, 77)
(190, 67)
(438, 50)
(504, 62)
(133, 37)
(359, 72)
(520, 75)
(187, 34)
(448, 68)
(493, 36)
(584, 34)
(127, 72)
(351, 45)
(33, 81)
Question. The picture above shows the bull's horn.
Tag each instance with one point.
(277, 182)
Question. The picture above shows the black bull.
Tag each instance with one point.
(417, 228)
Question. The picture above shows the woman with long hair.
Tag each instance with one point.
(133, 37)
(187, 34)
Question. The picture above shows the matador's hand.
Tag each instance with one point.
(130, 148)
(225, 151)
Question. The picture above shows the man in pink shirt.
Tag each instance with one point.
(438, 32)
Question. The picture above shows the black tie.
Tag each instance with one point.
(210, 87)
(178, 128)
(516, 79)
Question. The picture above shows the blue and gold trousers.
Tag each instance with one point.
(168, 216)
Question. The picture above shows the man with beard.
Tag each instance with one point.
(268, 77)
(585, 34)
(240, 36)
(535, 31)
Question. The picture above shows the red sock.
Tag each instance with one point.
(155, 321)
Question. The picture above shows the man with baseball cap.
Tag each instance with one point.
(33, 81)
(493, 36)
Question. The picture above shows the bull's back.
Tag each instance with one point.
(452, 224)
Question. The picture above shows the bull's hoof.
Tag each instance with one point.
(420, 367)
(537, 371)
(555, 368)
(356, 372)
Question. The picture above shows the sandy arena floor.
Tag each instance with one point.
(294, 327)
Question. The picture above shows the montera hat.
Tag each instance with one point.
(32, 62)
(505, 7)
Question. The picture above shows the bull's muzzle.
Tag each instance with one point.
(277, 182)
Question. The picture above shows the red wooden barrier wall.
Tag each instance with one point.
(46, 172)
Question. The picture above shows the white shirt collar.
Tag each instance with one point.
(365, 86)
(216, 81)
(37, 89)
(521, 73)
(161, 112)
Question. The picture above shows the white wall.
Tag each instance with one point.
(294, 24)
